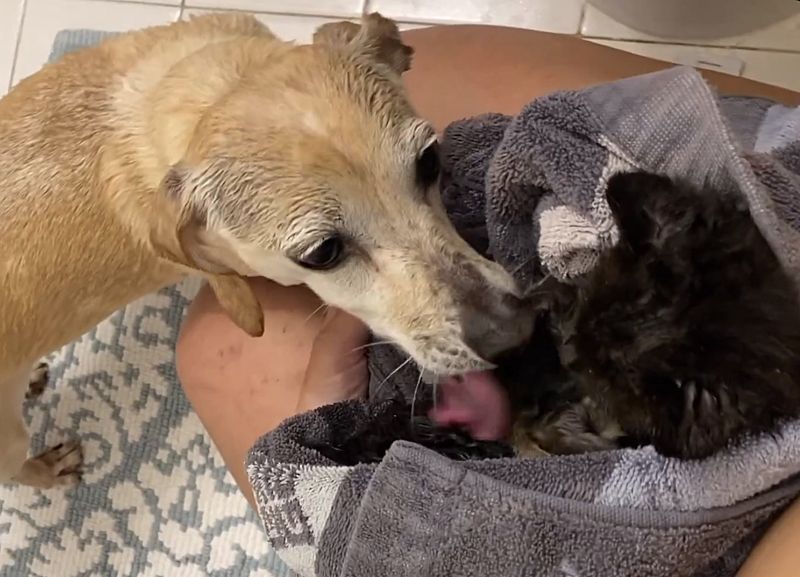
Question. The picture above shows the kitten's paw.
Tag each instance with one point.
(706, 424)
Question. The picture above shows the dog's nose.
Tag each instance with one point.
(515, 302)
(497, 329)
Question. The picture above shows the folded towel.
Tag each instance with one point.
(529, 191)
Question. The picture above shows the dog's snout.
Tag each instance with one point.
(514, 301)
(503, 322)
(490, 346)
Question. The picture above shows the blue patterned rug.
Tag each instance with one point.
(156, 498)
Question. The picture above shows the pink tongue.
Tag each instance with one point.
(475, 402)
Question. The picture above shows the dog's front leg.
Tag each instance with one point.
(58, 465)
(37, 380)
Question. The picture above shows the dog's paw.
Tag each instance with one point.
(57, 466)
(38, 380)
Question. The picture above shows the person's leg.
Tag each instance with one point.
(243, 387)
(462, 71)
(777, 554)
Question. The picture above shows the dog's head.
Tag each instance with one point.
(315, 169)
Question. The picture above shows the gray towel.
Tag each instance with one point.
(529, 190)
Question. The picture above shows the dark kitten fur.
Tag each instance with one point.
(687, 332)
(550, 413)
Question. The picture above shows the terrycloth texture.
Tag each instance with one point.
(156, 499)
(530, 191)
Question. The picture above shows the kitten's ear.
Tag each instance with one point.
(630, 196)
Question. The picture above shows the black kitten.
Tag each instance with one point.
(550, 412)
(687, 332)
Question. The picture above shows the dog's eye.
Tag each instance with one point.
(428, 166)
(325, 255)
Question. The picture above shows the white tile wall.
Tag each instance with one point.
(313, 7)
(44, 18)
(10, 23)
(287, 27)
(771, 54)
(162, 2)
(549, 15)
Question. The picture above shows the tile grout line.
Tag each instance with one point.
(327, 15)
(160, 3)
(17, 44)
(581, 21)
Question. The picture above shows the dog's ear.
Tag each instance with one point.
(632, 199)
(239, 301)
(201, 248)
(376, 37)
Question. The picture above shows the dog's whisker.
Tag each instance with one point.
(321, 307)
(540, 285)
(414, 397)
(375, 344)
(390, 375)
(522, 265)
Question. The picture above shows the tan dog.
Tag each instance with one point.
(211, 147)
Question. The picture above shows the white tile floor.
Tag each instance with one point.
(27, 28)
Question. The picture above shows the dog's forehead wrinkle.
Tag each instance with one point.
(377, 93)
(323, 81)
(362, 147)
(422, 132)
(221, 188)
(310, 227)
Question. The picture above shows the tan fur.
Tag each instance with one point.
(211, 147)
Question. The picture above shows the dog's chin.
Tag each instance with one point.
(434, 372)
(442, 355)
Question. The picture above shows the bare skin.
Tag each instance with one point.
(243, 387)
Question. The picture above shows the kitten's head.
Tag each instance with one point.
(635, 299)
(690, 263)
(664, 219)
(689, 318)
